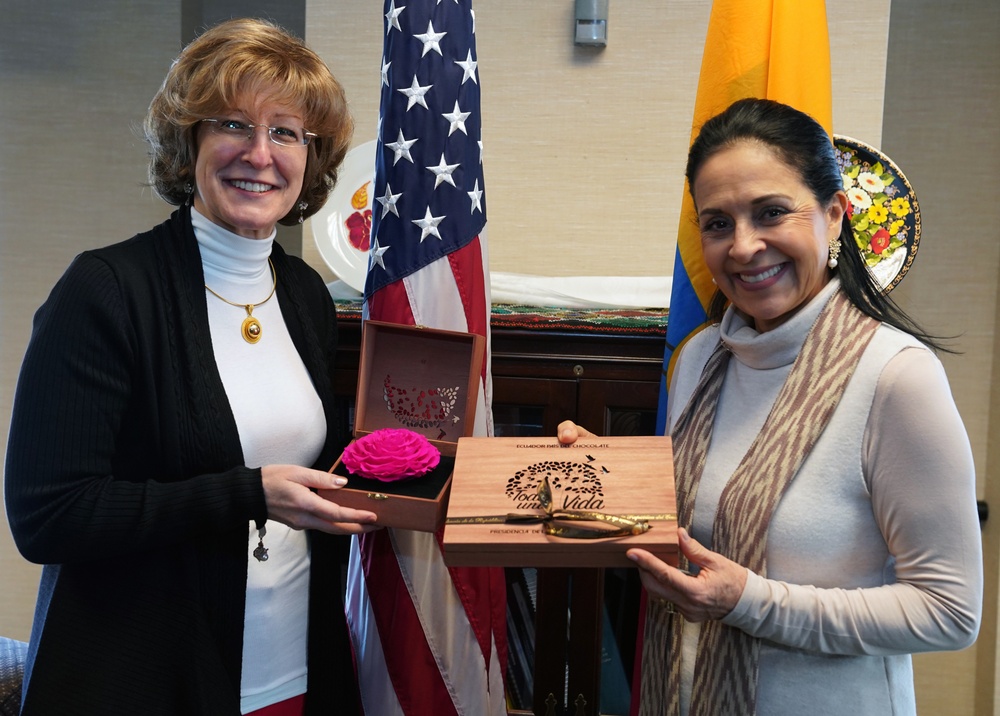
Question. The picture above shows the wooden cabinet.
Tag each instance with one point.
(602, 370)
(609, 383)
(604, 377)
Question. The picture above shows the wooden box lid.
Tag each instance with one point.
(421, 379)
(619, 476)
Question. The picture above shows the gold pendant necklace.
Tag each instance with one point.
(251, 328)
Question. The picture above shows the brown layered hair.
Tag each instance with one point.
(214, 73)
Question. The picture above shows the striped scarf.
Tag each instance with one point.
(725, 681)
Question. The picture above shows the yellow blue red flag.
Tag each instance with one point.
(773, 49)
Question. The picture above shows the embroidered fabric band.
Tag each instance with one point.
(726, 663)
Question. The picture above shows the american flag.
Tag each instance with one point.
(429, 640)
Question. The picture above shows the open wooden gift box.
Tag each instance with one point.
(421, 379)
(495, 478)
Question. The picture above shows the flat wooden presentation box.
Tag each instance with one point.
(494, 477)
(425, 380)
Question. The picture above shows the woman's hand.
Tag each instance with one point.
(710, 594)
(569, 432)
(288, 491)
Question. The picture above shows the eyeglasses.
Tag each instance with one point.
(282, 136)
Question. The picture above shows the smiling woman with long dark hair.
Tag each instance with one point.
(825, 484)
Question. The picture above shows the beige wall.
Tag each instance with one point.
(988, 665)
(584, 148)
(941, 109)
(584, 155)
(74, 78)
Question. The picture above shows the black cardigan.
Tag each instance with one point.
(125, 478)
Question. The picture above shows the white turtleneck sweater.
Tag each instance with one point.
(280, 420)
(874, 551)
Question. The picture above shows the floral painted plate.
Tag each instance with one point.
(883, 210)
(342, 228)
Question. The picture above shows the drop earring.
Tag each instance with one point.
(834, 253)
(302, 209)
(189, 190)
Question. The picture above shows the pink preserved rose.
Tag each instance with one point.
(391, 454)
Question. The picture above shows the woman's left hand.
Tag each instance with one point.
(710, 594)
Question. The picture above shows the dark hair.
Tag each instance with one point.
(229, 61)
(803, 144)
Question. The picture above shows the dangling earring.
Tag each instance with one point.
(189, 190)
(302, 209)
(834, 253)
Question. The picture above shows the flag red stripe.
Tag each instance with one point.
(415, 675)
(467, 267)
(488, 616)
(391, 305)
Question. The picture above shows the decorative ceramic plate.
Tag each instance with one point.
(883, 210)
(342, 228)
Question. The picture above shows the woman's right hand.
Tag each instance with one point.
(569, 432)
(291, 500)
(710, 594)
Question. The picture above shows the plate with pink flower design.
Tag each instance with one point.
(882, 208)
(342, 228)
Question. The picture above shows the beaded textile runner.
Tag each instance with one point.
(633, 321)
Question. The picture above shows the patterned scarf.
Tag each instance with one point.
(725, 671)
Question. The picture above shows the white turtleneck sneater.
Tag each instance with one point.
(280, 420)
